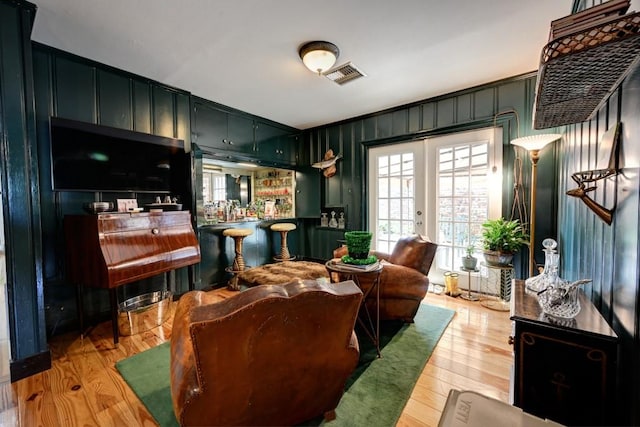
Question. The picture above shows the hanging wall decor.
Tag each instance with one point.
(328, 163)
(607, 166)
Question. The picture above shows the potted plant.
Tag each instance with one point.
(469, 262)
(501, 239)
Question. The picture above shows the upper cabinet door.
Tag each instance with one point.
(209, 126)
(215, 128)
(240, 131)
(275, 144)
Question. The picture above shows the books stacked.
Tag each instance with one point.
(355, 267)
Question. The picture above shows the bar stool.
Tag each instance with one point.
(283, 228)
(238, 266)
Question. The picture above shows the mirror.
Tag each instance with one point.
(251, 191)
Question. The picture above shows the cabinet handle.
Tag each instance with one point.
(227, 141)
(511, 340)
(155, 231)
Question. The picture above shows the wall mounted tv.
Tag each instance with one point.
(89, 157)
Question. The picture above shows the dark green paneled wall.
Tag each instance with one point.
(20, 192)
(469, 109)
(608, 255)
(75, 88)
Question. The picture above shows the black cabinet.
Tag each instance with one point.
(564, 369)
(216, 128)
(275, 144)
(243, 136)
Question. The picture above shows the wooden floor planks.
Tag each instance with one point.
(83, 387)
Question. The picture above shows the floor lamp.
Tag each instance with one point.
(533, 144)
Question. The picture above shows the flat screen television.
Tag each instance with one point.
(89, 157)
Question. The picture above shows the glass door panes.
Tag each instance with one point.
(394, 209)
(462, 199)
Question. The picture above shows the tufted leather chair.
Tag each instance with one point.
(271, 355)
(404, 281)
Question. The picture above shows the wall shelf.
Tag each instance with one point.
(579, 71)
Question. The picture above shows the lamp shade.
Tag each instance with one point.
(536, 142)
(319, 56)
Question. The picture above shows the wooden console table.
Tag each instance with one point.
(565, 369)
(109, 250)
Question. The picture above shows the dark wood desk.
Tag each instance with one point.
(109, 250)
(565, 369)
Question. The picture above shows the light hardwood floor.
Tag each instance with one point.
(83, 387)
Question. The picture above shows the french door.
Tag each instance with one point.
(396, 202)
(443, 188)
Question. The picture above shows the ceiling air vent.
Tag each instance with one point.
(344, 73)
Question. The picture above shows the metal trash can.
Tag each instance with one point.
(144, 312)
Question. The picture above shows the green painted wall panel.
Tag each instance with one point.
(512, 96)
(183, 119)
(21, 213)
(400, 120)
(384, 125)
(333, 185)
(369, 129)
(464, 108)
(446, 112)
(429, 116)
(163, 112)
(74, 89)
(113, 91)
(484, 103)
(415, 116)
(141, 107)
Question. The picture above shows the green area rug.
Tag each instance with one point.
(384, 384)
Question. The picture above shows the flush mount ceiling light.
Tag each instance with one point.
(319, 56)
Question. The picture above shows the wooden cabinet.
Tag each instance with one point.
(109, 250)
(564, 369)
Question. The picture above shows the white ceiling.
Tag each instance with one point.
(244, 53)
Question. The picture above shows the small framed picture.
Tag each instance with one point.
(269, 208)
(127, 205)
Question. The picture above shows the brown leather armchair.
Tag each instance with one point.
(271, 355)
(403, 281)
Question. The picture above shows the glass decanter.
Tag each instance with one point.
(551, 261)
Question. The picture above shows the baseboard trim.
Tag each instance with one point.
(31, 365)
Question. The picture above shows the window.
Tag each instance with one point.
(395, 199)
(214, 186)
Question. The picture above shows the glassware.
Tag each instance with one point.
(333, 223)
(557, 297)
(551, 261)
(324, 221)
